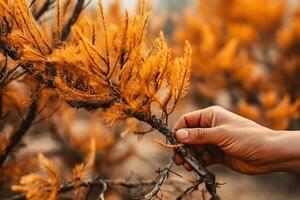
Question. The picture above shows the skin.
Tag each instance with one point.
(217, 136)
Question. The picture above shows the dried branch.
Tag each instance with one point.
(18, 135)
(190, 189)
(203, 173)
(8, 75)
(97, 183)
(163, 175)
(76, 13)
(9, 50)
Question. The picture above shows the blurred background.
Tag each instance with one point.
(246, 58)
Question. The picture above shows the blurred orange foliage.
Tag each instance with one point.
(246, 57)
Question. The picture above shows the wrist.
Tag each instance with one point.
(285, 151)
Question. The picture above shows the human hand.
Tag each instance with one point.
(217, 136)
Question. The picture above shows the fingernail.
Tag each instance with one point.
(182, 135)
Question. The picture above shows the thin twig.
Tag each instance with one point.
(103, 190)
(31, 4)
(163, 175)
(76, 13)
(87, 4)
(96, 183)
(170, 146)
(18, 135)
(190, 189)
(45, 7)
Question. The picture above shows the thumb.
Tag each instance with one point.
(198, 135)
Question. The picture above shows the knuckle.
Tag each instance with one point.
(180, 123)
(222, 129)
(182, 118)
(185, 120)
(216, 108)
(197, 133)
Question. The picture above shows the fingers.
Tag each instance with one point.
(199, 136)
(203, 153)
(195, 150)
(212, 156)
(204, 159)
(202, 118)
(188, 167)
(179, 160)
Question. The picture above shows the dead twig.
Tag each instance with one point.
(170, 146)
(163, 175)
(76, 13)
(24, 127)
(190, 189)
(97, 183)
(45, 7)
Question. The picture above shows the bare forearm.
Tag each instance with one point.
(286, 151)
